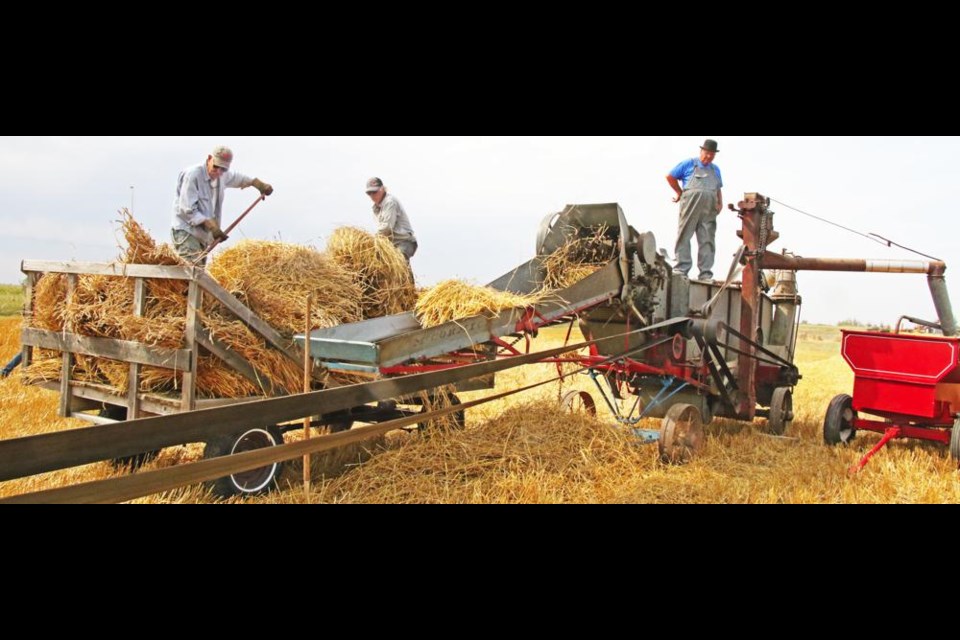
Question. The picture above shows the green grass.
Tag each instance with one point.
(11, 299)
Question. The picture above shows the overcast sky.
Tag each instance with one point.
(476, 202)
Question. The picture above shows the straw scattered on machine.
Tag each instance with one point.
(456, 299)
(578, 258)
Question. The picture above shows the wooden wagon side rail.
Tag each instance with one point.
(77, 397)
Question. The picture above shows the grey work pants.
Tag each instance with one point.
(188, 246)
(698, 216)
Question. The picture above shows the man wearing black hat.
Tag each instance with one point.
(699, 188)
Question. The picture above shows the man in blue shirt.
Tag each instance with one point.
(699, 188)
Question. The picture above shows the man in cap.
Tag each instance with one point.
(198, 207)
(392, 220)
(701, 200)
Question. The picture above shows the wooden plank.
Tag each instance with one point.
(210, 403)
(109, 269)
(67, 357)
(122, 350)
(194, 304)
(27, 350)
(87, 394)
(234, 360)
(93, 419)
(248, 317)
(133, 386)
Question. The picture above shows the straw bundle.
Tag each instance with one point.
(455, 300)
(381, 271)
(274, 280)
(578, 258)
(45, 367)
(50, 302)
(237, 337)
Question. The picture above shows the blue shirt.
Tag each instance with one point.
(685, 169)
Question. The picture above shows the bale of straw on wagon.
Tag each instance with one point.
(275, 278)
(381, 271)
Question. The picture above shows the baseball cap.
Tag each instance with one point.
(374, 185)
(222, 157)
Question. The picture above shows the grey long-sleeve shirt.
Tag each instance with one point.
(199, 199)
(392, 220)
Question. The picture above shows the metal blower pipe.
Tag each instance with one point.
(941, 301)
(934, 270)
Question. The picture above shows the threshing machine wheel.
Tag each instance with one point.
(579, 402)
(458, 419)
(781, 410)
(955, 441)
(838, 424)
(137, 460)
(255, 481)
(681, 434)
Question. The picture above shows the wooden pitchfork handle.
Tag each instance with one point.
(233, 226)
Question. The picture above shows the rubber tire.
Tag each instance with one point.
(248, 483)
(781, 411)
(836, 424)
(459, 417)
(955, 441)
(134, 462)
(681, 434)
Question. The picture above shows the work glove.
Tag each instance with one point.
(262, 187)
(215, 230)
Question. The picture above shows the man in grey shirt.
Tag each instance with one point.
(392, 220)
(198, 207)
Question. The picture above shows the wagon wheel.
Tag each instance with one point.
(137, 460)
(781, 410)
(254, 481)
(955, 441)
(681, 434)
(579, 402)
(838, 424)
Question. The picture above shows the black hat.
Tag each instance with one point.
(710, 145)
